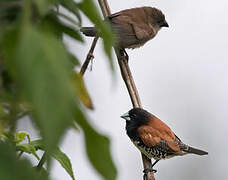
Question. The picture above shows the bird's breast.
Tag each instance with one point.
(134, 46)
(152, 152)
(141, 43)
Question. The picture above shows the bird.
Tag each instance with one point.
(133, 27)
(154, 138)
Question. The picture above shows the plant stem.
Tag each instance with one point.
(19, 155)
(41, 162)
(89, 56)
(129, 82)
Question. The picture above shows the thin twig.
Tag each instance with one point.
(127, 79)
(89, 56)
(135, 91)
(129, 82)
(42, 161)
(20, 154)
(104, 8)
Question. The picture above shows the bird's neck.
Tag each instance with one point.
(131, 129)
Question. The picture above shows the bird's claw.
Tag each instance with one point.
(146, 171)
(90, 55)
(124, 55)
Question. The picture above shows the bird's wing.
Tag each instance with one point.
(120, 18)
(164, 147)
(127, 15)
(143, 31)
(138, 22)
(126, 37)
(110, 17)
(153, 137)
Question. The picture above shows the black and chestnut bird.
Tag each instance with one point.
(133, 27)
(154, 138)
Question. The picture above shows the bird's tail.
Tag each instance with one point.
(195, 151)
(89, 31)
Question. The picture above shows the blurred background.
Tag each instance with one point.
(181, 76)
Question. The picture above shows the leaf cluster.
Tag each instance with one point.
(38, 78)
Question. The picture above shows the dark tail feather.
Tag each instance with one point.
(195, 151)
(89, 31)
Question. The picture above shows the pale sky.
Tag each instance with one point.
(181, 76)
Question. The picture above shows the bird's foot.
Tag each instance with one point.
(146, 171)
(124, 54)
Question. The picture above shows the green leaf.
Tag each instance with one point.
(89, 9)
(43, 172)
(64, 161)
(40, 64)
(52, 22)
(11, 168)
(28, 148)
(68, 19)
(43, 5)
(37, 144)
(81, 91)
(74, 127)
(74, 60)
(97, 148)
(73, 8)
(9, 11)
(4, 118)
(58, 155)
(20, 136)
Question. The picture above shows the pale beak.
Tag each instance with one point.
(126, 116)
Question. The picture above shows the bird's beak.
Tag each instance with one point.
(126, 116)
(165, 24)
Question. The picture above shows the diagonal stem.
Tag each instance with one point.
(126, 75)
(89, 56)
(129, 82)
(42, 161)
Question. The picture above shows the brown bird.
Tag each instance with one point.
(154, 138)
(133, 27)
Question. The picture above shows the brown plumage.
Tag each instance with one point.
(153, 137)
(133, 27)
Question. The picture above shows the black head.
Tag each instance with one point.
(135, 118)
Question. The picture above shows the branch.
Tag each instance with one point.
(89, 56)
(106, 11)
(127, 77)
(42, 161)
